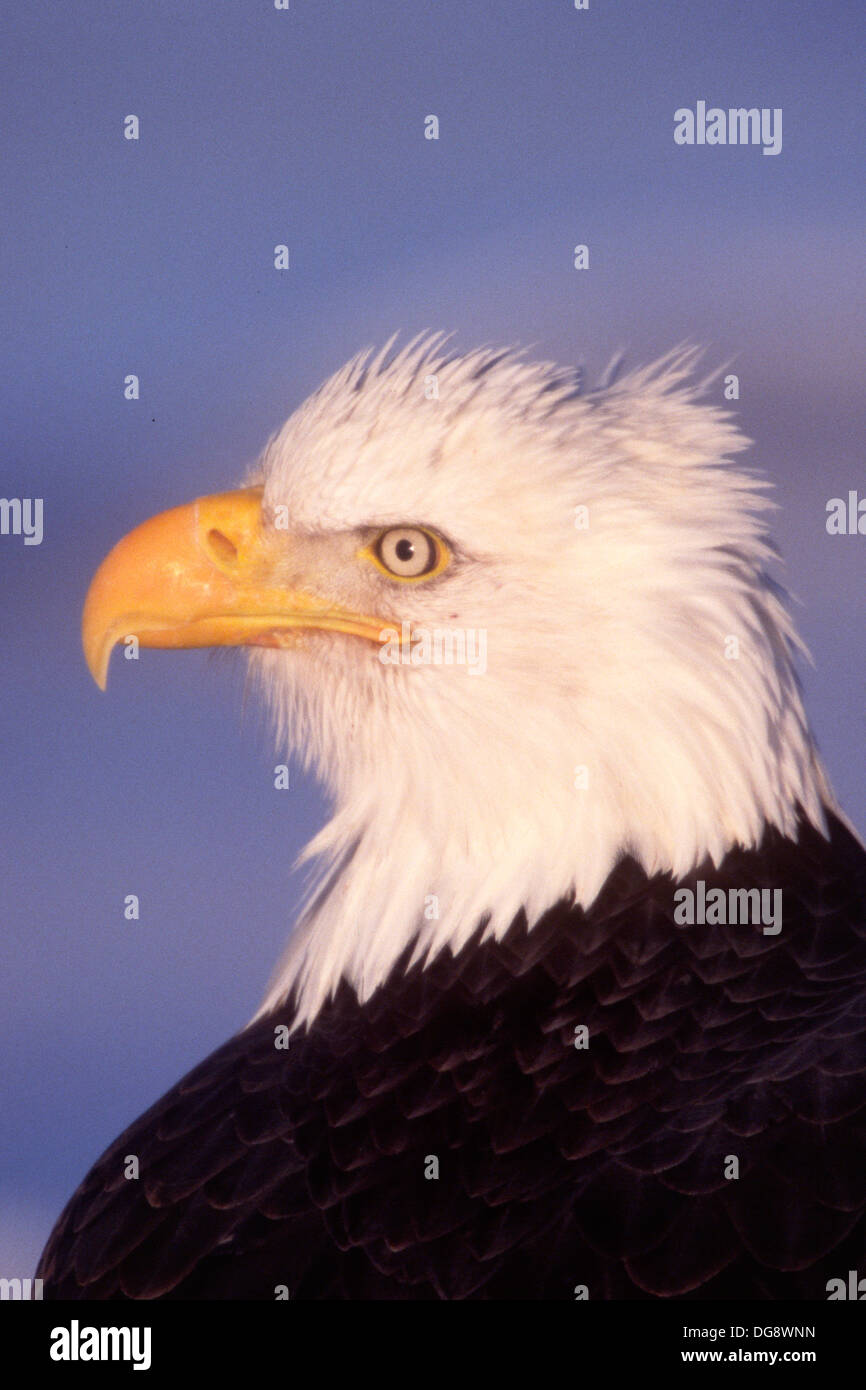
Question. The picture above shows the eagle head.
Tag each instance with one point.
(519, 631)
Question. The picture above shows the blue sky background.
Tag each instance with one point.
(156, 257)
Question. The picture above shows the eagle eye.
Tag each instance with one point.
(408, 552)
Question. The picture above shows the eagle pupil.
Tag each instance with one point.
(405, 549)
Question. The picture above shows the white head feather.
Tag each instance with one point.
(609, 648)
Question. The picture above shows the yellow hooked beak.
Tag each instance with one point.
(202, 575)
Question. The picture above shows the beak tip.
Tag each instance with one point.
(99, 672)
(97, 655)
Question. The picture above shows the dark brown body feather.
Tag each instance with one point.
(558, 1167)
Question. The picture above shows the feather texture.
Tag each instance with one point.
(557, 1166)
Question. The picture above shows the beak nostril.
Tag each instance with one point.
(222, 547)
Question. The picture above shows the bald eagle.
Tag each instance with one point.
(575, 1006)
